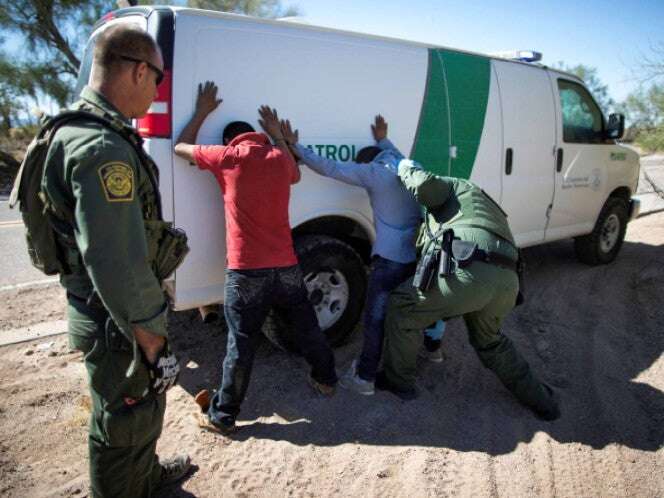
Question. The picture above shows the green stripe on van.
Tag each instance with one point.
(432, 141)
(453, 112)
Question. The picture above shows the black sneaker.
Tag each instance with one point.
(431, 345)
(383, 384)
(174, 469)
(551, 411)
(225, 426)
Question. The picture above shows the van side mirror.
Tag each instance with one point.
(616, 127)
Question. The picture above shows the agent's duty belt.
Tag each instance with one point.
(92, 301)
(491, 258)
(446, 254)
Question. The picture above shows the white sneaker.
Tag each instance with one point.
(351, 381)
(432, 356)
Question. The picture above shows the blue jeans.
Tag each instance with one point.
(248, 297)
(385, 276)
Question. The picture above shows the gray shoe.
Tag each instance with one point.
(435, 356)
(353, 382)
(174, 469)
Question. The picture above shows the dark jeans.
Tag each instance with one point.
(248, 297)
(385, 276)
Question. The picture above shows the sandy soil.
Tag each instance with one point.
(27, 306)
(593, 333)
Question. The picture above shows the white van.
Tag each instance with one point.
(532, 137)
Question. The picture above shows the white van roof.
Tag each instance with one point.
(311, 27)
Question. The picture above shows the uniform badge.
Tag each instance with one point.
(117, 180)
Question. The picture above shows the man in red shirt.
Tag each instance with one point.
(262, 270)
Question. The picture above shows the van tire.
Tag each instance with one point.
(325, 260)
(602, 245)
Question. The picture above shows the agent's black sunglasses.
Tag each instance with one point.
(157, 71)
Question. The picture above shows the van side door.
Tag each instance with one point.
(528, 116)
(582, 156)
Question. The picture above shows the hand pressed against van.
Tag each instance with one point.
(270, 123)
(291, 137)
(379, 128)
(206, 103)
(207, 100)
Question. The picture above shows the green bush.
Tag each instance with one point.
(651, 140)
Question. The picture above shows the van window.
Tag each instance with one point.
(582, 119)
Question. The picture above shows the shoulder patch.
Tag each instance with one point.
(117, 180)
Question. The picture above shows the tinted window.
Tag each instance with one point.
(582, 119)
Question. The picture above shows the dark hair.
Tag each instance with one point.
(367, 154)
(122, 39)
(234, 129)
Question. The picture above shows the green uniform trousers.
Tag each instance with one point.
(126, 418)
(483, 294)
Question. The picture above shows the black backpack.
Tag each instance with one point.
(46, 253)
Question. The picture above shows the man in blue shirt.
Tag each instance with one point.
(397, 217)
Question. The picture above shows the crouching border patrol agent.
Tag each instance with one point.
(467, 268)
(112, 249)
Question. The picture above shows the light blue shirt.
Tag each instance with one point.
(397, 215)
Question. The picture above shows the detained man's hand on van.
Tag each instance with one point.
(270, 122)
(379, 128)
(207, 100)
(291, 137)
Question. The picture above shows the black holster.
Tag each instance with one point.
(167, 247)
(447, 265)
(426, 268)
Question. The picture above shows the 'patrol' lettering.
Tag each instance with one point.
(331, 152)
(344, 153)
(341, 153)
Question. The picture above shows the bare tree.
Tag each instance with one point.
(651, 67)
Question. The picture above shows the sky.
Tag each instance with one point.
(609, 35)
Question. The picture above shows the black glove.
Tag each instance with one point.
(164, 371)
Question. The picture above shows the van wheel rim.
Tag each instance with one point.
(328, 293)
(609, 234)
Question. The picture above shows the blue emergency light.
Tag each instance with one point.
(520, 55)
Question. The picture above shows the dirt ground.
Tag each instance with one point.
(28, 306)
(594, 333)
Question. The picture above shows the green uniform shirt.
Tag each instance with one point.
(461, 205)
(95, 174)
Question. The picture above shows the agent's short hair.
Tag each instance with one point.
(367, 154)
(122, 39)
(234, 129)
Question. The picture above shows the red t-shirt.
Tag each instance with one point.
(255, 180)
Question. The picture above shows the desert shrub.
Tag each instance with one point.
(651, 140)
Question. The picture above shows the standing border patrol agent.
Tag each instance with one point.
(467, 268)
(103, 202)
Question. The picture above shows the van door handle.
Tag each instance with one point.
(559, 160)
(508, 161)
